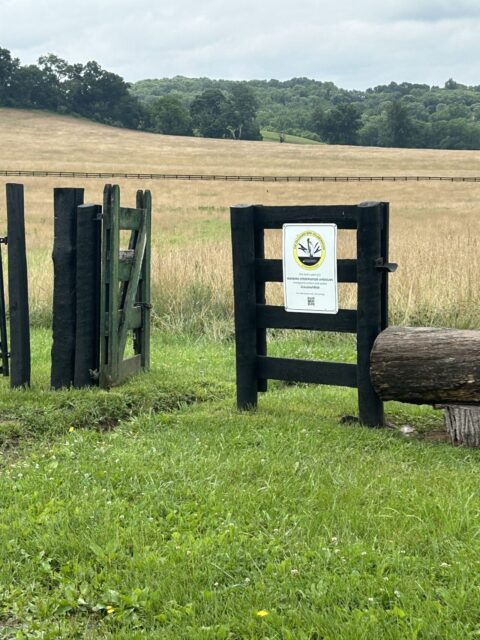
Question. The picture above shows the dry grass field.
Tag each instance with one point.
(434, 226)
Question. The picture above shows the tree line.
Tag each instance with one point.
(92, 92)
(393, 115)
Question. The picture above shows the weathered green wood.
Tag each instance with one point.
(125, 300)
(129, 367)
(131, 290)
(134, 321)
(125, 270)
(130, 218)
(142, 338)
(104, 290)
(110, 291)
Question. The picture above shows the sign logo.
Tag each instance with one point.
(309, 250)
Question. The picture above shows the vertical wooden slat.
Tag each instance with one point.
(260, 296)
(385, 251)
(144, 288)
(109, 317)
(245, 297)
(369, 308)
(18, 288)
(66, 202)
(3, 321)
(104, 287)
(87, 287)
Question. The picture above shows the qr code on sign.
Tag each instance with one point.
(311, 301)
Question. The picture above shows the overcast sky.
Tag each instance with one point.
(354, 44)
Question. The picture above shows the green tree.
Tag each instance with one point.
(241, 112)
(339, 125)
(8, 77)
(209, 114)
(399, 126)
(168, 115)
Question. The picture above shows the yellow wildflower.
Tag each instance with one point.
(110, 609)
(71, 429)
(262, 613)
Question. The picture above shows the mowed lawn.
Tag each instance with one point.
(158, 511)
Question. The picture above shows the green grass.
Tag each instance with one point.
(273, 136)
(165, 513)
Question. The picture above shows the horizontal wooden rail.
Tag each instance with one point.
(272, 270)
(230, 178)
(273, 317)
(130, 219)
(293, 370)
(345, 217)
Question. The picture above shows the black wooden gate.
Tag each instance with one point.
(253, 317)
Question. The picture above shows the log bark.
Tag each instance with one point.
(427, 365)
(463, 425)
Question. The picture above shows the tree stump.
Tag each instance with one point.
(463, 425)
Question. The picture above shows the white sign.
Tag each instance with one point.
(310, 268)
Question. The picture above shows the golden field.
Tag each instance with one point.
(435, 227)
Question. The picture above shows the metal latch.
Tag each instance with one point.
(381, 265)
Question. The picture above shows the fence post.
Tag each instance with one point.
(87, 288)
(66, 202)
(245, 299)
(385, 234)
(110, 295)
(18, 288)
(262, 383)
(370, 310)
(4, 354)
(142, 337)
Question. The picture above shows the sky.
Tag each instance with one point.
(355, 44)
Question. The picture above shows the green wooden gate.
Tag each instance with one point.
(125, 287)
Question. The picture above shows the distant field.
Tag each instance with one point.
(273, 136)
(434, 226)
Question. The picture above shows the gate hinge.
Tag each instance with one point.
(145, 305)
(381, 265)
(4, 240)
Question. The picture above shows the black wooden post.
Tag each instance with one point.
(66, 202)
(260, 297)
(18, 288)
(245, 298)
(370, 314)
(385, 233)
(87, 288)
(4, 354)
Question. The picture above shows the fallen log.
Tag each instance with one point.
(427, 365)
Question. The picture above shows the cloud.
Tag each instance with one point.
(353, 44)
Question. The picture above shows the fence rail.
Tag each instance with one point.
(227, 178)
